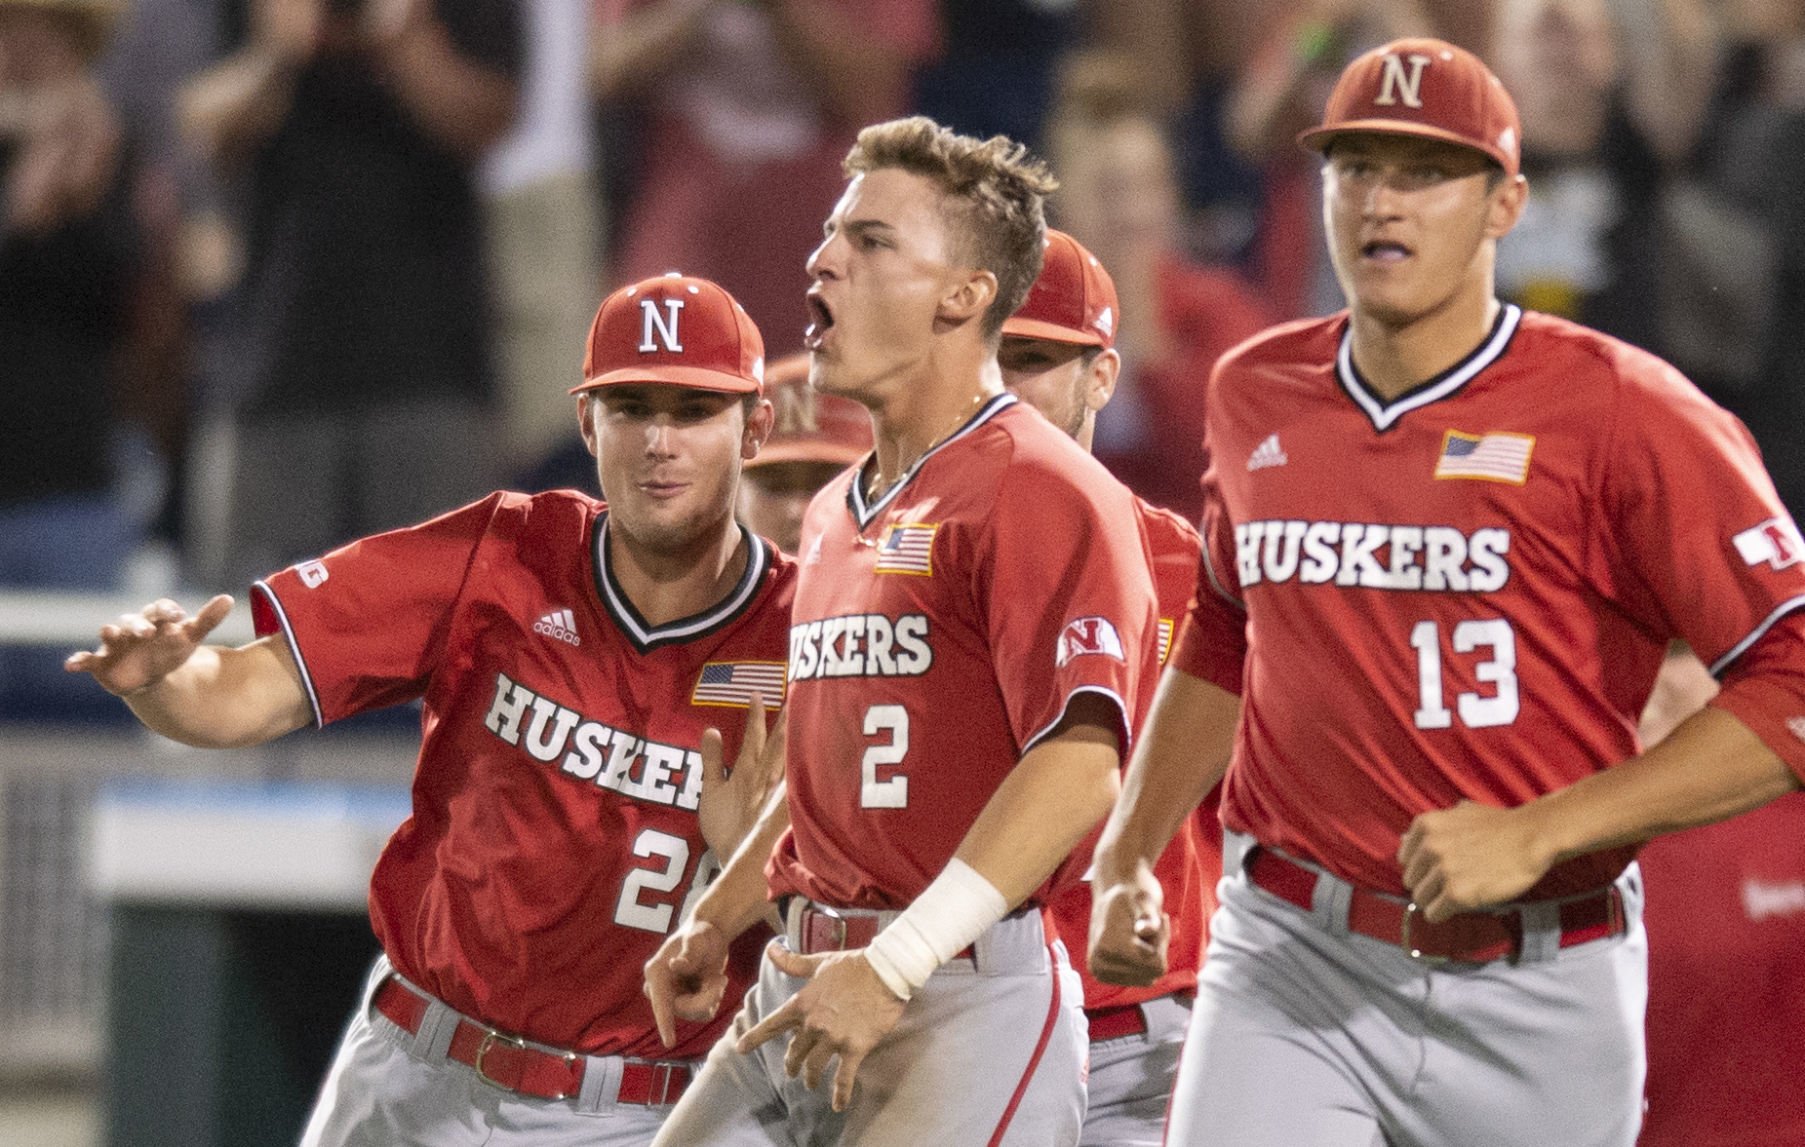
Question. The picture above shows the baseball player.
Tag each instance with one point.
(1446, 544)
(974, 620)
(814, 437)
(1058, 355)
(569, 656)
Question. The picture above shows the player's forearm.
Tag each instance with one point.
(1183, 751)
(225, 698)
(1710, 768)
(740, 896)
(1055, 795)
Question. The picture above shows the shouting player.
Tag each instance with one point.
(973, 625)
(813, 437)
(569, 655)
(1450, 541)
(1058, 355)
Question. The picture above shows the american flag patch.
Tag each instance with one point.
(1494, 457)
(1165, 638)
(907, 549)
(735, 683)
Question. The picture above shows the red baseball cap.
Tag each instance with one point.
(811, 426)
(1427, 88)
(1073, 301)
(674, 329)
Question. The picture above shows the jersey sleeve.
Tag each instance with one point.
(1706, 550)
(1064, 583)
(1213, 645)
(367, 622)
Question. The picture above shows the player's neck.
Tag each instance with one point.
(920, 417)
(1396, 357)
(666, 585)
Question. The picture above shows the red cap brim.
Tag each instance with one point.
(1053, 332)
(1317, 139)
(694, 377)
(807, 450)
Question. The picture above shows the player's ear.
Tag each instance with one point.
(586, 422)
(761, 416)
(1100, 379)
(1505, 206)
(968, 298)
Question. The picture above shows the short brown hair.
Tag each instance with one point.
(996, 189)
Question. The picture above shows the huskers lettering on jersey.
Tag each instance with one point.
(613, 759)
(929, 647)
(1436, 559)
(554, 841)
(1464, 592)
(861, 645)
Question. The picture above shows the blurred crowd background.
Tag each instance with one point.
(277, 273)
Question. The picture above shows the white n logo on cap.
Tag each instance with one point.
(1395, 82)
(665, 325)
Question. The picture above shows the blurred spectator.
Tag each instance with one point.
(1726, 961)
(1279, 92)
(1609, 97)
(752, 104)
(1119, 197)
(90, 378)
(815, 437)
(361, 377)
(544, 234)
(1744, 277)
(995, 73)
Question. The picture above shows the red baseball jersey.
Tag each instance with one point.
(939, 633)
(1464, 592)
(1191, 865)
(1726, 981)
(553, 840)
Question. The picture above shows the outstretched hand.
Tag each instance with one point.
(844, 1010)
(730, 802)
(140, 649)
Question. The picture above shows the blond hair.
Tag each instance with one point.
(995, 190)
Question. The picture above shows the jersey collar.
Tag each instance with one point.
(864, 512)
(646, 637)
(1383, 414)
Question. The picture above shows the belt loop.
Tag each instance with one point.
(793, 910)
(1330, 903)
(432, 1043)
(1541, 925)
(600, 1089)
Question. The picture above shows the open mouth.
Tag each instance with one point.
(1385, 250)
(821, 319)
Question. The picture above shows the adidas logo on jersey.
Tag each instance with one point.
(1797, 727)
(561, 624)
(1267, 453)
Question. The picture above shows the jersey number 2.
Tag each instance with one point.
(1477, 711)
(875, 789)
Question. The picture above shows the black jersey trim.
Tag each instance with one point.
(1791, 605)
(863, 514)
(647, 637)
(294, 648)
(1384, 415)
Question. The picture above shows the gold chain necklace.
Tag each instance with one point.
(876, 486)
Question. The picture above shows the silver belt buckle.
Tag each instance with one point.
(1415, 953)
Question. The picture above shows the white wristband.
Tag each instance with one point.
(944, 920)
